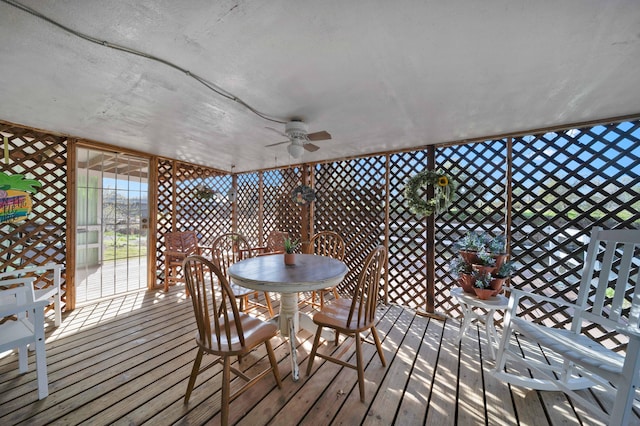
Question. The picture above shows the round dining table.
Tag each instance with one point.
(269, 273)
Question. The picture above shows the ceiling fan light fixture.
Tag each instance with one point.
(295, 149)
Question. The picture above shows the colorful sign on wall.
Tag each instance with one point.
(15, 197)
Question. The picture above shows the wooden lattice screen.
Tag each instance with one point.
(351, 200)
(562, 184)
(278, 211)
(190, 198)
(40, 239)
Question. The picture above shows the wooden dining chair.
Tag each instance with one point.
(224, 331)
(355, 317)
(274, 245)
(228, 249)
(178, 246)
(325, 243)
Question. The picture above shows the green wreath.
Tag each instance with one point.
(303, 195)
(444, 188)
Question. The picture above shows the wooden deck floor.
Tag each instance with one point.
(127, 361)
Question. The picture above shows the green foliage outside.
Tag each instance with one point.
(123, 246)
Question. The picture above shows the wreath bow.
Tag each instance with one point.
(444, 188)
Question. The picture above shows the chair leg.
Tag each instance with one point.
(57, 308)
(314, 348)
(41, 369)
(268, 301)
(194, 373)
(335, 293)
(360, 365)
(167, 274)
(23, 358)
(274, 363)
(226, 379)
(374, 332)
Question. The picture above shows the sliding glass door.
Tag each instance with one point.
(112, 218)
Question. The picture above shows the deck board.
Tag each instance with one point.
(127, 361)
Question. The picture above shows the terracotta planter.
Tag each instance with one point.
(483, 293)
(496, 285)
(466, 281)
(484, 269)
(470, 257)
(289, 259)
(500, 259)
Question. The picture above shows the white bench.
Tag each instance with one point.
(42, 289)
(16, 299)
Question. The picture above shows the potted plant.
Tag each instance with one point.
(497, 246)
(476, 244)
(469, 245)
(482, 285)
(462, 271)
(500, 276)
(290, 247)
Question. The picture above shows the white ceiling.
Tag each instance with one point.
(378, 75)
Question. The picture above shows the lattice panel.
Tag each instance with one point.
(288, 214)
(351, 201)
(273, 202)
(248, 207)
(41, 238)
(165, 213)
(479, 169)
(407, 235)
(563, 184)
(202, 204)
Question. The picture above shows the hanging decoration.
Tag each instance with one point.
(204, 192)
(303, 195)
(15, 197)
(444, 189)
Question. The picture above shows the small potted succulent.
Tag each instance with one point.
(501, 275)
(482, 285)
(290, 247)
(462, 270)
(469, 245)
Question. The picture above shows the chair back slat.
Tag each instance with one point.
(185, 242)
(327, 243)
(214, 304)
(612, 264)
(228, 249)
(275, 241)
(365, 298)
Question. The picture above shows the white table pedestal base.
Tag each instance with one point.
(469, 303)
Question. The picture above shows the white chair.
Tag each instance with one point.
(16, 299)
(46, 286)
(611, 262)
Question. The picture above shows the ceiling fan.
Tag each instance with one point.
(299, 138)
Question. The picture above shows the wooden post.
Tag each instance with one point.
(431, 245)
(234, 203)
(152, 224)
(261, 236)
(387, 203)
(70, 234)
(307, 213)
(174, 193)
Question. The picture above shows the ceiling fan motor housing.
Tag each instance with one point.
(296, 130)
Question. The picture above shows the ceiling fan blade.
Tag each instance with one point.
(311, 147)
(277, 131)
(277, 143)
(319, 136)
